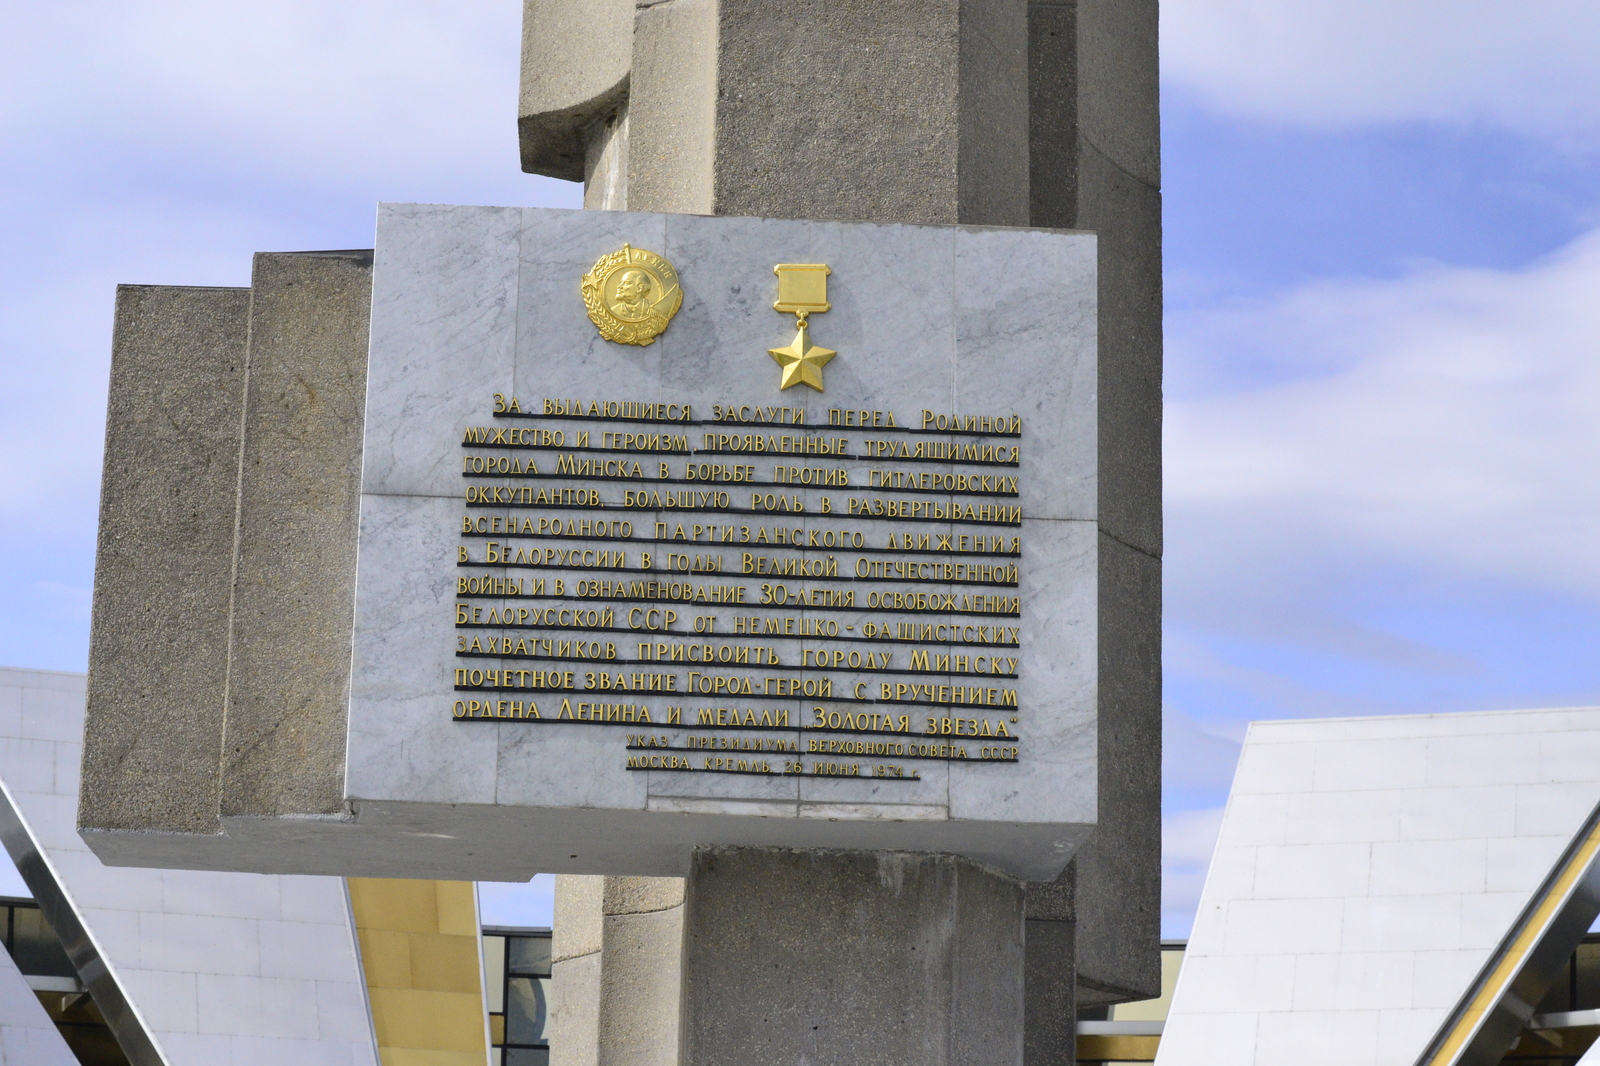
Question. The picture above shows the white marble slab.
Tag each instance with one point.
(470, 302)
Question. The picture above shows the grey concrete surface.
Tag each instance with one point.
(576, 931)
(878, 959)
(1127, 217)
(672, 108)
(605, 175)
(870, 110)
(1049, 1009)
(642, 895)
(618, 959)
(294, 586)
(1052, 113)
(641, 986)
(1095, 165)
(575, 60)
(1119, 83)
(841, 110)
(157, 664)
(1118, 871)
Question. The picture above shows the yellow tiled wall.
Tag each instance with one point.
(419, 948)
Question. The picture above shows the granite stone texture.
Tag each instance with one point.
(922, 957)
(576, 55)
(618, 971)
(156, 693)
(1049, 1008)
(288, 671)
(924, 319)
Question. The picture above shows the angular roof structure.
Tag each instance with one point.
(1391, 891)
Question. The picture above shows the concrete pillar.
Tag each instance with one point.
(617, 970)
(886, 110)
(170, 481)
(1009, 112)
(1095, 164)
(877, 958)
(230, 699)
(1050, 973)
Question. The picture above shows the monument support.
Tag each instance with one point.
(389, 755)
(1018, 112)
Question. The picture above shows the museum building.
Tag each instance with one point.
(1385, 891)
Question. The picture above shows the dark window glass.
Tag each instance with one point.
(1588, 966)
(526, 1010)
(528, 955)
(36, 949)
(523, 1056)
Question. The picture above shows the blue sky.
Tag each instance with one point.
(1382, 259)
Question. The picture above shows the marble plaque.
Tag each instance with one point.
(617, 599)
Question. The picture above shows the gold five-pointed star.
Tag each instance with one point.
(802, 361)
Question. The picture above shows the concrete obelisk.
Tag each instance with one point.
(956, 112)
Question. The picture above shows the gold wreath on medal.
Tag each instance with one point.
(632, 295)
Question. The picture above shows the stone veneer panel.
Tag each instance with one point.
(473, 302)
(1365, 870)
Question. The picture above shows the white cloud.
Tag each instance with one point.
(1445, 421)
(288, 89)
(1187, 840)
(164, 141)
(1527, 66)
(1192, 757)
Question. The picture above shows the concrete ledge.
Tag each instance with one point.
(164, 561)
(224, 584)
(576, 55)
(295, 572)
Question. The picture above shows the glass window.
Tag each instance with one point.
(516, 965)
(527, 1056)
(527, 1013)
(528, 955)
(34, 945)
(494, 968)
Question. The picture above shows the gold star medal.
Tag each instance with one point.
(802, 291)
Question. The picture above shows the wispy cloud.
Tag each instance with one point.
(287, 91)
(1444, 421)
(1527, 67)
(1187, 840)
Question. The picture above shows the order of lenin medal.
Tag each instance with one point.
(631, 295)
